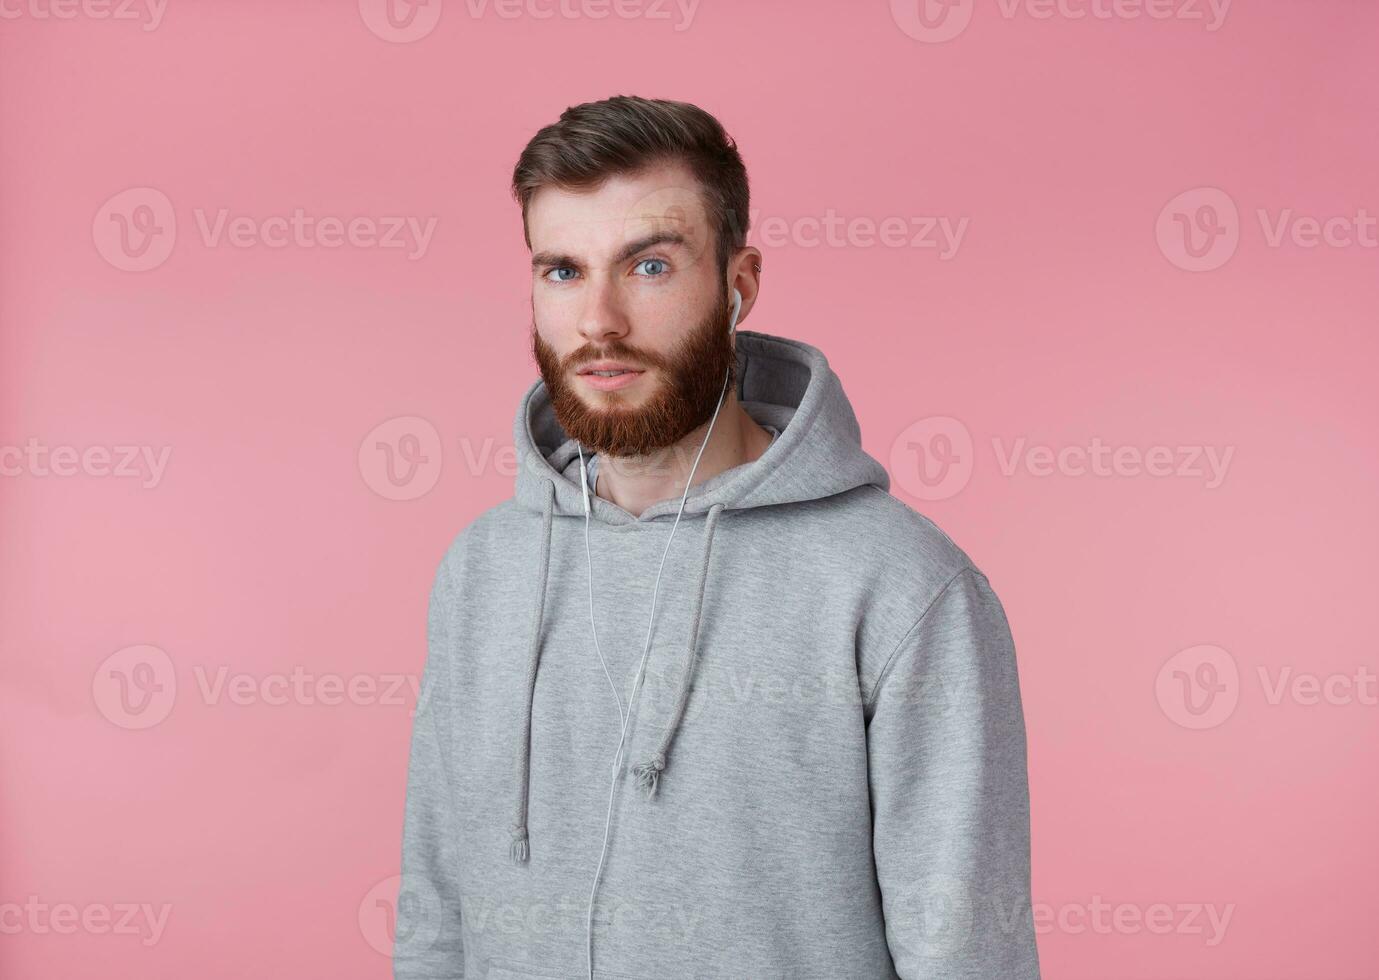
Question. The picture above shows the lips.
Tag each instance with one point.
(609, 375)
(604, 367)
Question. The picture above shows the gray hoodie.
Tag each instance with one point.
(824, 767)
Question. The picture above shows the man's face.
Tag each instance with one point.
(625, 274)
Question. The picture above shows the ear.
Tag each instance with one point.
(744, 279)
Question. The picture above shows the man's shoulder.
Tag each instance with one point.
(891, 534)
(478, 539)
(909, 563)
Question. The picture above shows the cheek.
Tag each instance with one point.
(557, 322)
(660, 314)
(551, 309)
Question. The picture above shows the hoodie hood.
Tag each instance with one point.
(783, 383)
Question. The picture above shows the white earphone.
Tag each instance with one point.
(625, 716)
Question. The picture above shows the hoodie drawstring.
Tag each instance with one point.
(647, 773)
(518, 849)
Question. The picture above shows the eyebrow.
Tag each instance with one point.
(560, 259)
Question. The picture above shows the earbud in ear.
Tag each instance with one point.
(737, 308)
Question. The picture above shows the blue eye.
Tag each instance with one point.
(657, 262)
(563, 268)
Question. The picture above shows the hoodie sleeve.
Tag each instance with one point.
(428, 943)
(950, 793)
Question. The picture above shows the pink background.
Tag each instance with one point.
(274, 541)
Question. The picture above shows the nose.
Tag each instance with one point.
(602, 319)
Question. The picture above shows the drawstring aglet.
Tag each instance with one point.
(518, 850)
(649, 774)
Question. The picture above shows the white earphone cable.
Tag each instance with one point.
(636, 684)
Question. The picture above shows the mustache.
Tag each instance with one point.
(615, 351)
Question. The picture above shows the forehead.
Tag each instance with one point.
(596, 222)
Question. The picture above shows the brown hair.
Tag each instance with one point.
(625, 134)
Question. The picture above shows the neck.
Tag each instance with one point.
(634, 483)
